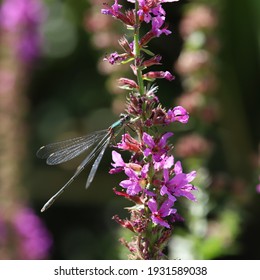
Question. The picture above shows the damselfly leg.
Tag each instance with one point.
(63, 151)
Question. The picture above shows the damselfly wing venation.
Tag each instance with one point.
(66, 150)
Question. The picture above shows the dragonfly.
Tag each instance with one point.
(66, 150)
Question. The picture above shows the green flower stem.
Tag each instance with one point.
(137, 51)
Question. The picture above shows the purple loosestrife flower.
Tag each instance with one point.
(179, 184)
(118, 164)
(177, 114)
(136, 182)
(164, 211)
(153, 181)
(113, 10)
(144, 11)
(157, 148)
(126, 18)
(115, 58)
(165, 162)
(128, 143)
(148, 8)
(157, 23)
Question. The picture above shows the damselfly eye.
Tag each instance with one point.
(124, 117)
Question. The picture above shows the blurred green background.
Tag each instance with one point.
(68, 95)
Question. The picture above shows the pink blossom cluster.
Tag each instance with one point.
(154, 179)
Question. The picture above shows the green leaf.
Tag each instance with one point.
(128, 60)
(147, 52)
(148, 79)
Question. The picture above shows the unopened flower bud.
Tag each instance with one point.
(155, 60)
(123, 42)
(127, 83)
(159, 75)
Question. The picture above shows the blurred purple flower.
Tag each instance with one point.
(3, 232)
(17, 12)
(258, 186)
(23, 18)
(35, 239)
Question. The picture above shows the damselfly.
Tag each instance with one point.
(66, 150)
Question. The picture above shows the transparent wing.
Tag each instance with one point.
(100, 146)
(66, 150)
(96, 163)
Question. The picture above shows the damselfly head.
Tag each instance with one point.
(124, 117)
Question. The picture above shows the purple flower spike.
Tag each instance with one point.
(153, 180)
